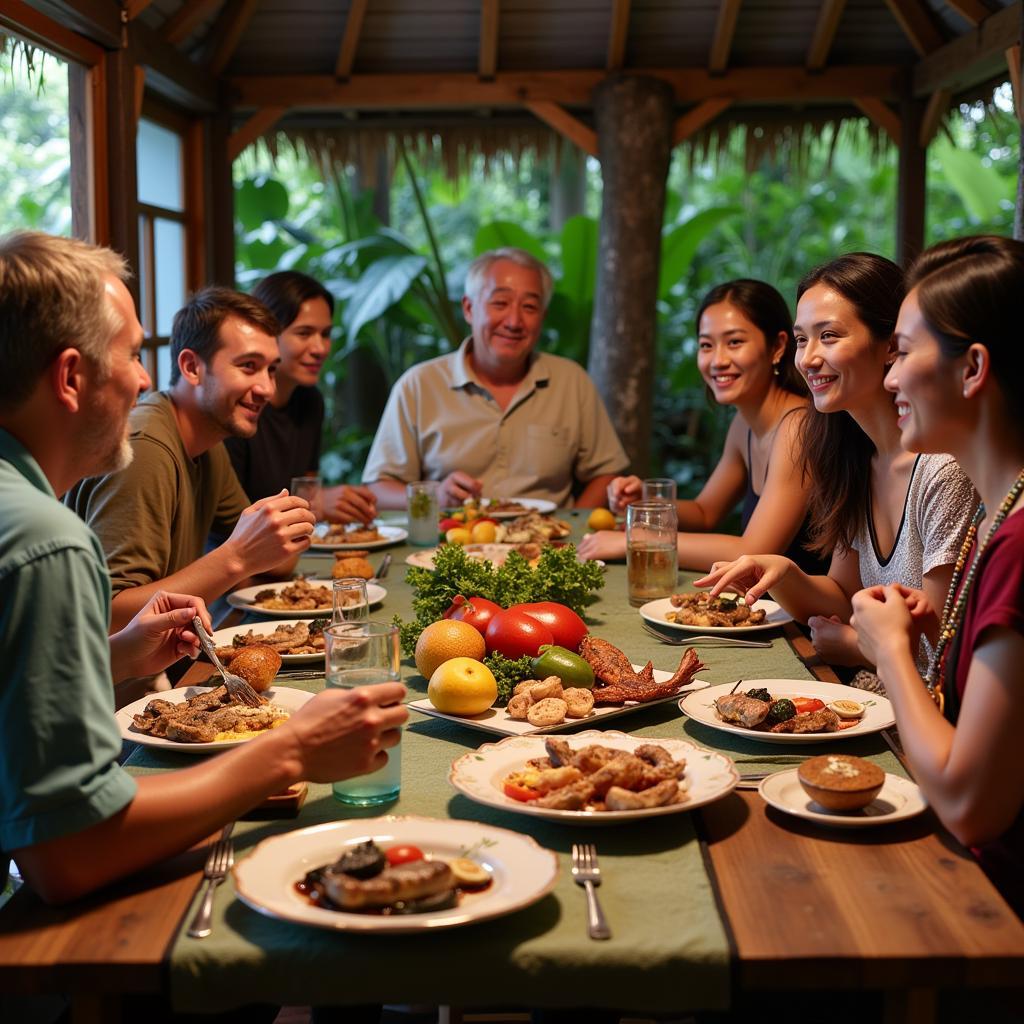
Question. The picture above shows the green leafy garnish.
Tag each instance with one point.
(507, 674)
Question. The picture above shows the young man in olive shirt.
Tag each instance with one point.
(153, 518)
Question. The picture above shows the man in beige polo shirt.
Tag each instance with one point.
(495, 417)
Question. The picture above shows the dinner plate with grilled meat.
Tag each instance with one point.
(301, 598)
(726, 614)
(594, 777)
(274, 879)
(789, 710)
(204, 720)
(335, 537)
(298, 641)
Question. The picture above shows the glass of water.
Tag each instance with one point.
(350, 601)
(308, 487)
(652, 560)
(659, 488)
(421, 501)
(366, 654)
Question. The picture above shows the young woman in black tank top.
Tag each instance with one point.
(745, 355)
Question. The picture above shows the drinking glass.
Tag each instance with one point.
(365, 654)
(421, 497)
(659, 488)
(651, 556)
(308, 487)
(350, 602)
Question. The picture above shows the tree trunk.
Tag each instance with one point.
(568, 184)
(634, 129)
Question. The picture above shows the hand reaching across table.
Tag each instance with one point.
(349, 504)
(456, 487)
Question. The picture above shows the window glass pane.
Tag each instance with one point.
(163, 367)
(169, 260)
(144, 273)
(159, 166)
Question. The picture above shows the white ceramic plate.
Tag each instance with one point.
(496, 720)
(223, 638)
(243, 599)
(389, 535)
(878, 715)
(283, 696)
(899, 799)
(654, 612)
(494, 553)
(479, 775)
(522, 871)
(541, 505)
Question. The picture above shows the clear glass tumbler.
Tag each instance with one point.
(424, 515)
(659, 488)
(365, 654)
(350, 602)
(308, 487)
(652, 561)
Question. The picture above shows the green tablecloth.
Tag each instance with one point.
(669, 949)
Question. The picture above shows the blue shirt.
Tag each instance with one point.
(59, 741)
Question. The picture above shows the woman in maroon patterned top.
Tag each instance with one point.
(959, 386)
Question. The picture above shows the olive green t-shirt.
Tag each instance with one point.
(153, 518)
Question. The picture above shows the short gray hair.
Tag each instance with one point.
(478, 269)
(52, 298)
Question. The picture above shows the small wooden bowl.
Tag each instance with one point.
(840, 782)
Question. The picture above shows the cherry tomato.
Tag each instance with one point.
(520, 793)
(403, 854)
(566, 626)
(514, 634)
(805, 704)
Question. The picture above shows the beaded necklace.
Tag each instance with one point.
(956, 598)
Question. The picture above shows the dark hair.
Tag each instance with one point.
(284, 293)
(766, 309)
(969, 290)
(837, 453)
(197, 324)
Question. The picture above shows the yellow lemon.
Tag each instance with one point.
(601, 519)
(462, 686)
(444, 640)
(458, 535)
(484, 533)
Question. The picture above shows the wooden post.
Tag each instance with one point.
(634, 129)
(220, 206)
(910, 191)
(568, 183)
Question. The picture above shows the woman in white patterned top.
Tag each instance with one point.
(887, 515)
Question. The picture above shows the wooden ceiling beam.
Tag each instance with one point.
(98, 20)
(180, 25)
(829, 16)
(32, 25)
(350, 39)
(170, 73)
(935, 110)
(693, 120)
(569, 88)
(916, 21)
(227, 33)
(725, 29)
(972, 11)
(565, 124)
(256, 126)
(618, 33)
(133, 8)
(487, 58)
(973, 58)
(880, 113)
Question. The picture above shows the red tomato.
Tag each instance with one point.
(520, 793)
(476, 611)
(566, 626)
(403, 854)
(803, 704)
(514, 634)
(447, 524)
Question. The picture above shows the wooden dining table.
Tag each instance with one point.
(900, 911)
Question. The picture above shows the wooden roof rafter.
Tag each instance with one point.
(180, 25)
(565, 124)
(487, 57)
(695, 119)
(881, 114)
(916, 21)
(227, 32)
(618, 33)
(256, 126)
(133, 8)
(725, 29)
(829, 16)
(350, 39)
(974, 12)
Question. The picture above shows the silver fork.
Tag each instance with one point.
(687, 641)
(219, 862)
(385, 565)
(236, 685)
(586, 872)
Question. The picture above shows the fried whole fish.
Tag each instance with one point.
(623, 682)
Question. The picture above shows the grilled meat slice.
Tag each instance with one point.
(396, 882)
(559, 751)
(573, 797)
(823, 720)
(666, 792)
(743, 710)
(661, 761)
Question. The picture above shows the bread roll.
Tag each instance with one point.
(257, 665)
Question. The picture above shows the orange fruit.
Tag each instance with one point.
(446, 639)
(462, 686)
(458, 535)
(484, 533)
(601, 519)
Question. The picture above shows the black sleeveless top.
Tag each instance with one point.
(812, 564)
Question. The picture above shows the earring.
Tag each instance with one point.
(775, 369)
